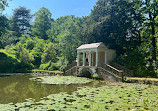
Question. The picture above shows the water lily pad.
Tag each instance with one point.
(111, 97)
(61, 80)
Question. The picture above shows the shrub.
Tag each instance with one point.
(95, 76)
(49, 66)
(10, 64)
(53, 67)
(45, 66)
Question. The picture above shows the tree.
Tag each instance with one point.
(49, 54)
(3, 20)
(150, 11)
(3, 3)
(21, 21)
(38, 50)
(114, 22)
(63, 34)
(3, 24)
(9, 38)
(42, 23)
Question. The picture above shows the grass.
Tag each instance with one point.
(112, 97)
(55, 71)
(143, 80)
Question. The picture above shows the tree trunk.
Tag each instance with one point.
(153, 43)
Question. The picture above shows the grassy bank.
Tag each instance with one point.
(55, 72)
(142, 80)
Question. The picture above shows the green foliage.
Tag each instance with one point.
(9, 38)
(10, 64)
(20, 52)
(49, 66)
(150, 11)
(3, 24)
(63, 33)
(38, 50)
(42, 23)
(138, 62)
(49, 54)
(3, 27)
(53, 67)
(25, 56)
(62, 63)
(45, 66)
(95, 76)
(3, 4)
(21, 21)
(128, 26)
(113, 22)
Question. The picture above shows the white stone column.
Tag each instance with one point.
(78, 59)
(105, 57)
(90, 58)
(83, 58)
(96, 57)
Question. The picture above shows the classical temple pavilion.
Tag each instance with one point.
(96, 58)
(93, 54)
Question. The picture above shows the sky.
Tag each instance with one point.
(58, 8)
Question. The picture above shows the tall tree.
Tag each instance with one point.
(114, 22)
(3, 19)
(3, 3)
(63, 32)
(150, 10)
(3, 24)
(21, 21)
(49, 54)
(42, 23)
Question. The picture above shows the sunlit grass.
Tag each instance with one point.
(54, 71)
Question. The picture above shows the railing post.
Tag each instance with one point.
(122, 76)
(64, 72)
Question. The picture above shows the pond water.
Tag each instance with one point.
(18, 88)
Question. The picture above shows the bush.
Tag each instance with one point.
(53, 67)
(138, 62)
(10, 64)
(62, 63)
(45, 66)
(49, 66)
(95, 76)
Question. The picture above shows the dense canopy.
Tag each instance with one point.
(39, 42)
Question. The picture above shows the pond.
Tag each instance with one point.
(18, 88)
(19, 93)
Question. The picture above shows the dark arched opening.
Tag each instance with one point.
(85, 73)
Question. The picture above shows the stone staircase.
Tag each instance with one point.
(71, 69)
(108, 72)
(105, 71)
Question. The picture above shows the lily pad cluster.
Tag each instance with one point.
(112, 97)
(61, 80)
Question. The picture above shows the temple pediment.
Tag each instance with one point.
(92, 46)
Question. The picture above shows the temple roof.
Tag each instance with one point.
(91, 46)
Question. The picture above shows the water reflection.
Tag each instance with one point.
(18, 88)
